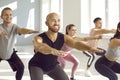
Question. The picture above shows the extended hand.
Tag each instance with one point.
(93, 50)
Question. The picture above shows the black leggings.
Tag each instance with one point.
(16, 65)
(92, 56)
(107, 68)
(36, 73)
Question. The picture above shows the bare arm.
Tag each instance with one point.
(26, 31)
(87, 38)
(104, 31)
(114, 43)
(46, 49)
(79, 45)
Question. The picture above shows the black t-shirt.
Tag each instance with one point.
(47, 62)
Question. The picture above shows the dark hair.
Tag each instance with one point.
(96, 19)
(68, 27)
(7, 8)
(117, 34)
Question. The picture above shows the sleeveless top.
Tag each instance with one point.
(47, 62)
(66, 48)
(113, 53)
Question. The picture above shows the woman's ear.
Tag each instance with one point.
(46, 22)
(119, 29)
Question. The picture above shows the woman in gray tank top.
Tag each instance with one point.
(108, 65)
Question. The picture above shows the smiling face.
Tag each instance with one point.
(72, 31)
(7, 15)
(53, 22)
(98, 24)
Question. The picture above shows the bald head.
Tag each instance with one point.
(50, 15)
(53, 22)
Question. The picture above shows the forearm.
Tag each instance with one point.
(89, 38)
(26, 31)
(79, 45)
(82, 46)
(78, 39)
(104, 31)
(44, 48)
(85, 38)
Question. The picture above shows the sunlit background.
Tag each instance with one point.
(32, 14)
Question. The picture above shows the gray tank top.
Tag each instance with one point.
(7, 41)
(113, 53)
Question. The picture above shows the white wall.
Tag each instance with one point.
(27, 14)
(71, 13)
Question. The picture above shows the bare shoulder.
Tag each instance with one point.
(115, 40)
(114, 43)
(93, 31)
(66, 37)
(38, 39)
(69, 40)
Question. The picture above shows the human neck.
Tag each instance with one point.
(52, 35)
(5, 24)
(70, 35)
(97, 27)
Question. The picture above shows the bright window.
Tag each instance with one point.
(108, 10)
(47, 7)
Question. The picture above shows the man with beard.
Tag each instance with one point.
(47, 48)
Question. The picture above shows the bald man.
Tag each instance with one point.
(47, 48)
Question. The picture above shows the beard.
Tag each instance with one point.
(54, 30)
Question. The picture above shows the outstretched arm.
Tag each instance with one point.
(79, 45)
(104, 31)
(46, 49)
(26, 31)
(87, 38)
